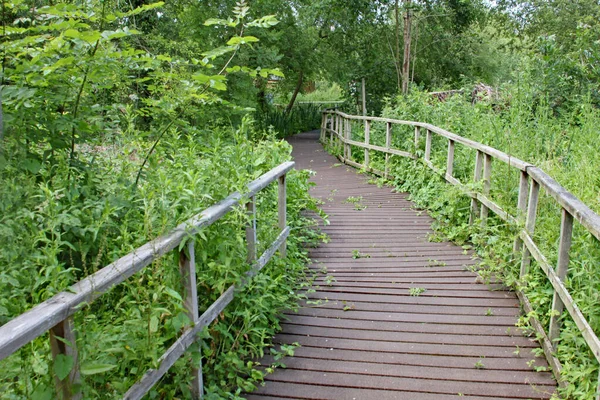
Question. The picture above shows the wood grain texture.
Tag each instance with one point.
(394, 315)
(481, 204)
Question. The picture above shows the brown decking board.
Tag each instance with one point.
(363, 336)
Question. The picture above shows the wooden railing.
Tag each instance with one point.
(336, 129)
(56, 314)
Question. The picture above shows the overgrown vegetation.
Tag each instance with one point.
(522, 123)
(120, 120)
(301, 118)
(112, 137)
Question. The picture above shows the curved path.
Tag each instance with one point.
(393, 315)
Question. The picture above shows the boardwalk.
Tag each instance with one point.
(395, 316)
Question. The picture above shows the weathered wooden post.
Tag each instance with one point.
(487, 184)
(388, 143)
(251, 231)
(64, 347)
(345, 136)
(367, 139)
(323, 126)
(476, 178)
(187, 272)
(428, 139)
(450, 160)
(534, 193)
(282, 210)
(340, 134)
(566, 235)
(417, 138)
(521, 210)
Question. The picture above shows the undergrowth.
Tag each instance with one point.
(301, 118)
(50, 238)
(524, 127)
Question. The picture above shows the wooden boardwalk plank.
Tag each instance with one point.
(364, 335)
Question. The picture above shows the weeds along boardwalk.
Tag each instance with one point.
(393, 315)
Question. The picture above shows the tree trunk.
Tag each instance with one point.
(298, 87)
(407, 38)
(364, 97)
(397, 60)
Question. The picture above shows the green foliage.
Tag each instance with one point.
(53, 237)
(522, 124)
(302, 118)
(119, 126)
(560, 146)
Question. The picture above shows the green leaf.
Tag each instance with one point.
(63, 364)
(42, 393)
(173, 294)
(153, 324)
(92, 369)
(241, 40)
(222, 22)
(219, 85)
(144, 8)
(72, 33)
(219, 51)
(276, 72)
(265, 22)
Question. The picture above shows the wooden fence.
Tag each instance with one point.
(56, 314)
(336, 128)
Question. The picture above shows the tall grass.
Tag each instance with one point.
(302, 118)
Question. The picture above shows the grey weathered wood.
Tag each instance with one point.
(544, 341)
(360, 166)
(345, 134)
(497, 154)
(572, 206)
(367, 139)
(534, 193)
(187, 271)
(251, 231)
(323, 126)
(476, 178)
(499, 211)
(282, 210)
(580, 211)
(487, 184)
(566, 234)
(176, 350)
(417, 138)
(521, 209)
(381, 149)
(63, 341)
(35, 322)
(584, 327)
(388, 143)
(332, 129)
(339, 130)
(428, 139)
(450, 159)
(348, 139)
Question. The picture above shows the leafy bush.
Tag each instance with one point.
(50, 238)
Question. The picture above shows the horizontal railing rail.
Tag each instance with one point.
(336, 128)
(56, 314)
